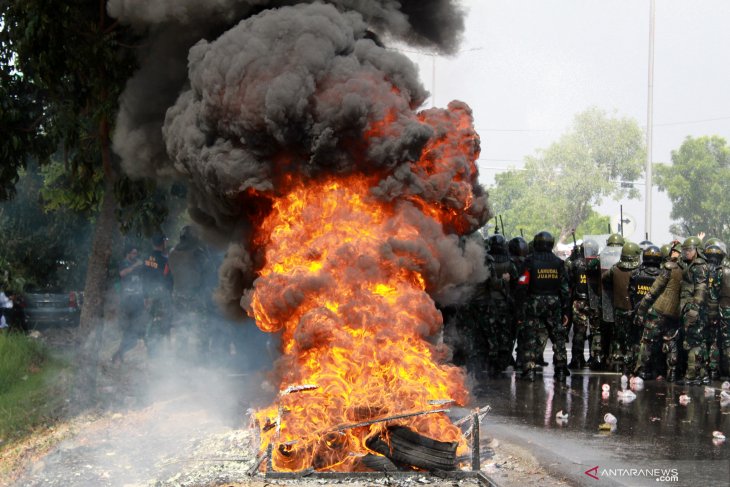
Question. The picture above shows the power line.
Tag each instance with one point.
(687, 122)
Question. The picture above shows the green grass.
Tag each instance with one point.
(29, 387)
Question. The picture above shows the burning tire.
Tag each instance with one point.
(409, 448)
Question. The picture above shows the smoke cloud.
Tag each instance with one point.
(276, 91)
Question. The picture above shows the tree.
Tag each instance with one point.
(41, 249)
(696, 183)
(68, 61)
(558, 188)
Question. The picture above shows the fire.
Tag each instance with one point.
(353, 310)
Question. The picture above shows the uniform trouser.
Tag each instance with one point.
(581, 324)
(477, 314)
(131, 322)
(621, 342)
(499, 346)
(158, 328)
(658, 329)
(694, 343)
(543, 318)
(719, 342)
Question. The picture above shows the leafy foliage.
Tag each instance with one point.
(558, 188)
(62, 67)
(41, 249)
(696, 183)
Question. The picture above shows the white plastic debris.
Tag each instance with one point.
(636, 381)
(626, 396)
(610, 418)
(605, 395)
(684, 399)
(561, 415)
(605, 387)
(726, 386)
(624, 380)
(709, 391)
(725, 396)
(718, 435)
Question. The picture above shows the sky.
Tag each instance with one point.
(527, 67)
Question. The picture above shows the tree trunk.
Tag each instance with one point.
(92, 312)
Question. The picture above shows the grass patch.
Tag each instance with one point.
(30, 392)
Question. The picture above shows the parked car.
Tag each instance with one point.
(44, 310)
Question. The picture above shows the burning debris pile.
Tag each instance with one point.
(298, 135)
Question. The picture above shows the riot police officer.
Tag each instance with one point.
(659, 312)
(593, 275)
(693, 306)
(517, 254)
(499, 321)
(609, 256)
(546, 306)
(639, 284)
(714, 254)
(721, 289)
(577, 271)
(616, 279)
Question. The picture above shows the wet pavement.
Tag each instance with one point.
(653, 430)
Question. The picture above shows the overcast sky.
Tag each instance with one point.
(526, 67)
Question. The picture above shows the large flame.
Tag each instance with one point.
(345, 282)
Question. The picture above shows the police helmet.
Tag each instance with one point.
(652, 256)
(497, 244)
(630, 253)
(645, 244)
(615, 240)
(665, 250)
(544, 242)
(711, 241)
(715, 253)
(518, 247)
(590, 248)
(692, 243)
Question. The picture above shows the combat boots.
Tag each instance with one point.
(561, 372)
(529, 374)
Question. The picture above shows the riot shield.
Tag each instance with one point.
(593, 274)
(609, 256)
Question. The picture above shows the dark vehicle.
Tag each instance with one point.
(47, 310)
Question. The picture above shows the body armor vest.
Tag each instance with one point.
(500, 289)
(580, 278)
(545, 271)
(642, 281)
(667, 303)
(621, 289)
(689, 286)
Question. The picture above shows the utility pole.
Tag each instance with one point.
(649, 125)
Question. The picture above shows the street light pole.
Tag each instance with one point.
(649, 124)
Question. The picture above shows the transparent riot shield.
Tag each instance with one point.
(608, 257)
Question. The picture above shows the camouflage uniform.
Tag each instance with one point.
(721, 289)
(714, 255)
(617, 280)
(476, 315)
(693, 306)
(659, 310)
(547, 303)
(576, 269)
(499, 320)
(593, 275)
(639, 285)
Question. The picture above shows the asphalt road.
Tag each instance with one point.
(660, 437)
